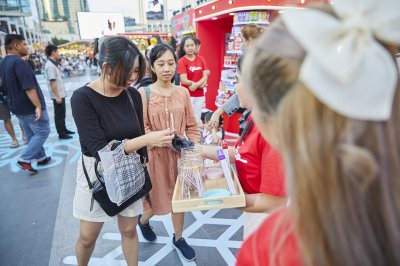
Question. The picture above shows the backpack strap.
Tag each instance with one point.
(147, 90)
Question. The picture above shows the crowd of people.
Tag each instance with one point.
(70, 65)
(318, 157)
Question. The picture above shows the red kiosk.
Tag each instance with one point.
(218, 26)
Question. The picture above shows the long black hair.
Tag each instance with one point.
(158, 51)
(120, 54)
(181, 51)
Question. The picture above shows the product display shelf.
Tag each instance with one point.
(229, 66)
(239, 52)
(226, 90)
(228, 80)
(248, 22)
(233, 52)
(233, 49)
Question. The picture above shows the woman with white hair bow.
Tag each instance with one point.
(327, 85)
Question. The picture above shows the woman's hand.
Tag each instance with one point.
(214, 120)
(194, 86)
(203, 84)
(160, 138)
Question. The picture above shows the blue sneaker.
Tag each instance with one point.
(186, 251)
(147, 231)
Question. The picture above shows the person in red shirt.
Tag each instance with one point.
(193, 73)
(259, 168)
(338, 134)
(273, 243)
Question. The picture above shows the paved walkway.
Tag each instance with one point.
(37, 227)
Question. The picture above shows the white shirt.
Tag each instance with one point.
(52, 72)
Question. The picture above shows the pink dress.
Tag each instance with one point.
(163, 161)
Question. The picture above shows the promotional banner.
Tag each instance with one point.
(183, 22)
(95, 25)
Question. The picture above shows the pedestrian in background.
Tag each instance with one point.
(5, 115)
(197, 46)
(177, 79)
(57, 90)
(193, 72)
(166, 106)
(26, 101)
(103, 112)
(147, 78)
(330, 93)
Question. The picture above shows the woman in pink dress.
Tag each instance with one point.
(166, 106)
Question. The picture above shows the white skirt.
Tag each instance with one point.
(83, 197)
(197, 104)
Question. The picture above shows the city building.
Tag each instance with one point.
(187, 4)
(190, 4)
(155, 15)
(58, 17)
(20, 17)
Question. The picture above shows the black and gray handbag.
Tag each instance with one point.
(99, 191)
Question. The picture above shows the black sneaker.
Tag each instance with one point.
(64, 136)
(69, 132)
(27, 167)
(186, 251)
(147, 231)
(44, 161)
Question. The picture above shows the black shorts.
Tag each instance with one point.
(4, 112)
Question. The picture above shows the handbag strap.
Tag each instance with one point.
(145, 157)
(147, 90)
(86, 174)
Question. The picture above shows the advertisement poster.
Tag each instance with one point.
(155, 10)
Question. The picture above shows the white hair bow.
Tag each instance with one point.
(346, 67)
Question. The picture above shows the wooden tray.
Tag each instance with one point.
(200, 204)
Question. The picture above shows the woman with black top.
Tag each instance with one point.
(102, 113)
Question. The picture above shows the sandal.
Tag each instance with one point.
(14, 145)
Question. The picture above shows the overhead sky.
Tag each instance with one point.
(129, 8)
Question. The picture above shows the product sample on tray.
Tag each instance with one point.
(227, 172)
(191, 172)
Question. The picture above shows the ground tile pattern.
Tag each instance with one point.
(210, 237)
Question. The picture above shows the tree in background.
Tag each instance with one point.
(57, 41)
